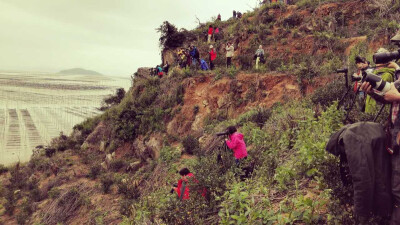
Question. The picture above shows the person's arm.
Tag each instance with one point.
(231, 143)
(392, 95)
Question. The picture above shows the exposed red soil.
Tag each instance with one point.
(233, 97)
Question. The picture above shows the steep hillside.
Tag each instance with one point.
(119, 167)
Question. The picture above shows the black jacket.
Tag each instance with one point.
(363, 144)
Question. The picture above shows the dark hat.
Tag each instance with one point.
(360, 59)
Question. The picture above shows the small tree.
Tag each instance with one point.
(113, 99)
(170, 36)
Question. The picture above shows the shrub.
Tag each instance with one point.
(169, 154)
(54, 193)
(117, 164)
(3, 169)
(273, 63)
(302, 4)
(170, 37)
(245, 61)
(293, 20)
(87, 126)
(260, 116)
(126, 207)
(106, 182)
(325, 95)
(191, 145)
(180, 91)
(128, 189)
(95, 170)
(10, 202)
(113, 99)
(22, 218)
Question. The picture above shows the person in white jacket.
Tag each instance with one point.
(229, 54)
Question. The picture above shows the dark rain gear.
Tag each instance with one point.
(363, 144)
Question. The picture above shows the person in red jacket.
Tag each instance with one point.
(236, 143)
(210, 33)
(213, 56)
(183, 187)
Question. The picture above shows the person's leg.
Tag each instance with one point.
(229, 61)
(209, 38)
(257, 62)
(395, 219)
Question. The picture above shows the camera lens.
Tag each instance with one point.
(386, 57)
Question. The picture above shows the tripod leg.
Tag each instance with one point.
(351, 107)
(380, 111)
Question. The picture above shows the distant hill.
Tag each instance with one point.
(79, 71)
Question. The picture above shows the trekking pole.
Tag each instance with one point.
(380, 111)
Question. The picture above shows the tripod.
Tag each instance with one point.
(345, 71)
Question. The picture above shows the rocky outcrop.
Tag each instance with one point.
(97, 140)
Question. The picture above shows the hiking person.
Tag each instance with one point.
(387, 74)
(362, 65)
(229, 54)
(239, 15)
(188, 58)
(210, 33)
(234, 14)
(259, 55)
(159, 71)
(219, 17)
(183, 187)
(203, 65)
(182, 58)
(236, 143)
(365, 166)
(216, 34)
(166, 68)
(393, 97)
(195, 54)
(213, 56)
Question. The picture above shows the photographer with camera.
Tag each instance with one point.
(386, 72)
(235, 142)
(182, 189)
(229, 53)
(386, 67)
(362, 64)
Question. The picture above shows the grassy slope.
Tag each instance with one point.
(151, 133)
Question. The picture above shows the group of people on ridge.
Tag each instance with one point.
(160, 70)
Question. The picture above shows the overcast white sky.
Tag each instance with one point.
(111, 37)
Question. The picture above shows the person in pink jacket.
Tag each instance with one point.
(236, 143)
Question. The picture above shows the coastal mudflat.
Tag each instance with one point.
(36, 107)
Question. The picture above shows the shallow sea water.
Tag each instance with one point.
(36, 107)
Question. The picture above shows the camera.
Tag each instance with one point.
(381, 58)
(377, 83)
(222, 133)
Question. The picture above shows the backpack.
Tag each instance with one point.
(203, 65)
